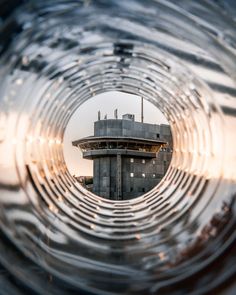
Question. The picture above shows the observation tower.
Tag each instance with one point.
(124, 154)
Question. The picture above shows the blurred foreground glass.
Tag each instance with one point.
(58, 238)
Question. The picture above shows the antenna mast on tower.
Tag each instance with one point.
(142, 109)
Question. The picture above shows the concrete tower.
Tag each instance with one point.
(124, 154)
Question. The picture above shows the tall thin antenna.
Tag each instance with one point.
(99, 115)
(142, 109)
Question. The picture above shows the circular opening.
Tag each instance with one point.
(122, 149)
(179, 237)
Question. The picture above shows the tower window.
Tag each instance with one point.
(158, 135)
(131, 189)
(143, 175)
(131, 174)
(143, 161)
(153, 175)
(153, 162)
(143, 189)
(132, 160)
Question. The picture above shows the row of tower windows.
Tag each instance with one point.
(143, 161)
(143, 175)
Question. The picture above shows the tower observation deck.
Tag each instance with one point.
(124, 154)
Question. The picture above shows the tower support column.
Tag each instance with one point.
(119, 177)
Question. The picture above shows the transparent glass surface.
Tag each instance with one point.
(58, 238)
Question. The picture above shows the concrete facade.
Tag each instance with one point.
(129, 157)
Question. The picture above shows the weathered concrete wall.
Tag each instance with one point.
(118, 127)
(139, 175)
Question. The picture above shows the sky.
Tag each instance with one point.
(81, 123)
